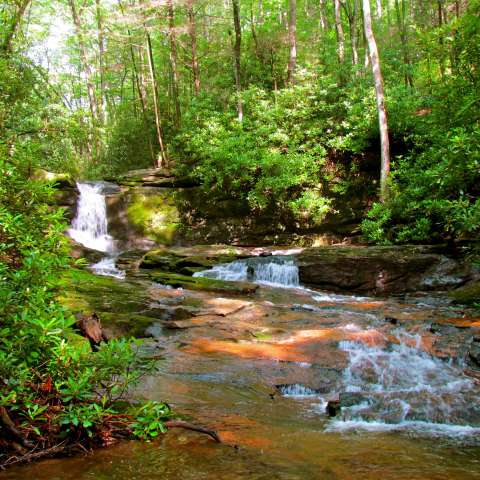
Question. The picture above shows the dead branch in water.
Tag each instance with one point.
(191, 426)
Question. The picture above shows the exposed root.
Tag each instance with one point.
(10, 427)
(34, 455)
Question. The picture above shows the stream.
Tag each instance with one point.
(261, 369)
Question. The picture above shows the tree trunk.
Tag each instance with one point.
(174, 61)
(351, 7)
(402, 27)
(101, 55)
(87, 70)
(237, 51)
(141, 92)
(340, 34)
(162, 161)
(323, 17)
(379, 9)
(440, 38)
(192, 31)
(382, 112)
(6, 46)
(292, 41)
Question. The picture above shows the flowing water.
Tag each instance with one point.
(90, 227)
(276, 271)
(261, 370)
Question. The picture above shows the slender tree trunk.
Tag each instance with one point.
(379, 9)
(323, 17)
(237, 51)
(7, 41)
(192, 31)
(87, 70)
(340, 34)
(382, 112)
(163, 160)
(402, 27)
(352, 13)
(292, 40)
(101, 55)
(440, 38)
(174, 61)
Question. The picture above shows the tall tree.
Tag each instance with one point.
(162, 159)
(192, 31)
(172, 35)
(351, 8)
(237, 52)
(292, 41)
(340, 33)
(86, 64)
(381, 109)
(14, 24)
(402, 22)
(101, 61)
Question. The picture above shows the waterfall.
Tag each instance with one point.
(90, 227)
(276, 271)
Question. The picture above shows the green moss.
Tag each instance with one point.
(200, 283)
(184, 261)
(156, 216)
(467, 295)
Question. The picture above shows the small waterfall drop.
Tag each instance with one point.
(402, 386)
(90, 227)
(276, 271)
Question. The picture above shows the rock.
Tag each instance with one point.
(206, 284)
(474, 354)
(333, 408)
(188, 260)
(59, 180)
(467, 295)
(392, 320)
(78, 250)
(380, 270)
(349, 399)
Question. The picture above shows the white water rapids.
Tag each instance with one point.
(90, 228)
(276, 271)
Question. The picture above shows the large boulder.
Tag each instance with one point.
(382, 270)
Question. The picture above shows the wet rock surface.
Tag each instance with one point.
(382, 270)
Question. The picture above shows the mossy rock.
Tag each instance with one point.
(186, 261)
(206, 284)
(59, 180)
(466, 295)
(155, 216)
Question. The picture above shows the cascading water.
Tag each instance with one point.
(277, 271)
(90, 227)
(405, 387)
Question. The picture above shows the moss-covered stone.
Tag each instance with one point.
(155, 216)
(206, 284)
(185, 261)
(123, 307)
(467, 295)
(60, 180)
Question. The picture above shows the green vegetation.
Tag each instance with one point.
(271, 105)
(55, 392)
